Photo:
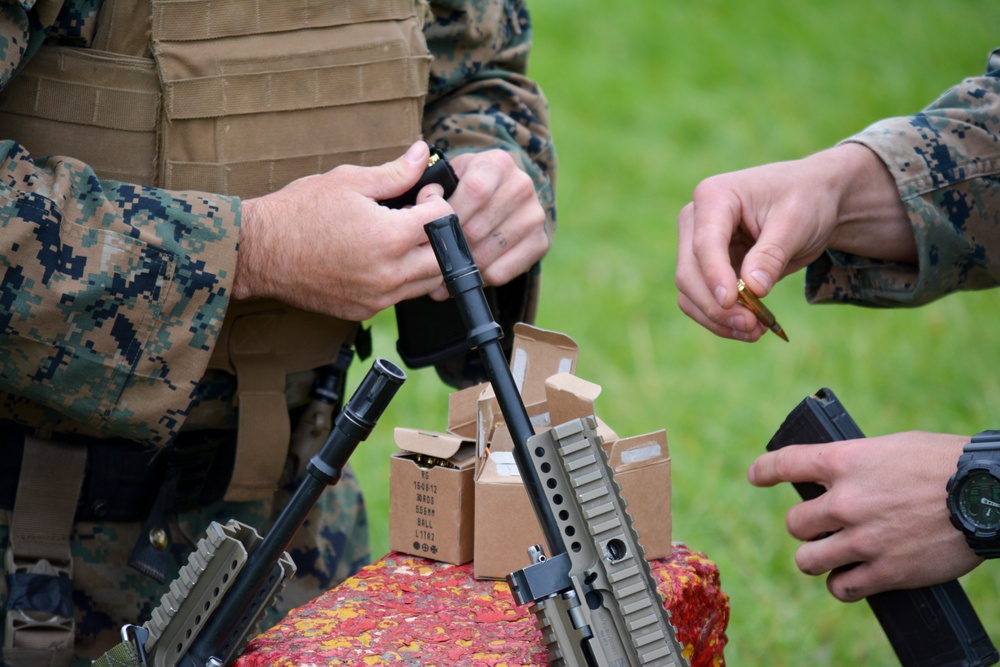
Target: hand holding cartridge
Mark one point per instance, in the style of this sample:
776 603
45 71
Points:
764 223
322 244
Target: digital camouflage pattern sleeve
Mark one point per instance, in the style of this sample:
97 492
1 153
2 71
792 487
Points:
480 97
113 294
946 163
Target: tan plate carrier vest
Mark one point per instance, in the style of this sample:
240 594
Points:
236 97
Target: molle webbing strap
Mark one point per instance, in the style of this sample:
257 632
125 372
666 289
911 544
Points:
236 97
257 94
120 655
183 20
105 103
264 427
262 343
47 493
39 625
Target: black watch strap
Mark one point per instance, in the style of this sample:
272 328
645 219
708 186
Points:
983 445
985 441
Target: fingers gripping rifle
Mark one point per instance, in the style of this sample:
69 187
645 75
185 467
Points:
594 597
216 603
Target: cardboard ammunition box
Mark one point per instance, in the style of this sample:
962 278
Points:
479 509
462 411
642 468
506 524
431 495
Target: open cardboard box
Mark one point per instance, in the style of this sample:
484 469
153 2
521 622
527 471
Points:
506 524
480 509
431 495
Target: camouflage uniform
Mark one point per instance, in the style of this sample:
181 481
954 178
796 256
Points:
944 162
144 277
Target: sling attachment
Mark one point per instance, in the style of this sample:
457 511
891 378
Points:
195 473
136 637
40 626
150 553
130 652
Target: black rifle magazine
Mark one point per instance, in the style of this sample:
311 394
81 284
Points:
935 626
432 333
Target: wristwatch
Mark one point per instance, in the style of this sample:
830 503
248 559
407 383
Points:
974 494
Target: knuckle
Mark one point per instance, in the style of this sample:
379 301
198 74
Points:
807 565
686 214
683 280
384 280
841 508
544 242
772 255
380 300
532 223
347 171
783 463
493 276
477 186
705 189
499 159
792 525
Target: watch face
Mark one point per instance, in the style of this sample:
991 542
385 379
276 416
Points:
979 501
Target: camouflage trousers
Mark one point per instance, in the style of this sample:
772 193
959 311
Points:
330 546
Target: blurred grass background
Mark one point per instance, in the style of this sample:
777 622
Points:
649 97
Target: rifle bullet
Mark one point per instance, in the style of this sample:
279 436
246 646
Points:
757 307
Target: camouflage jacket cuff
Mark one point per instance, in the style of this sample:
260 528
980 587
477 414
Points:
157 394
841 277
945 161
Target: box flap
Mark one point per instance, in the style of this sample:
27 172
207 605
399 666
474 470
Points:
536 355
638 451
488 416
570 397
439 445
492 432
462 410
499 468
608 435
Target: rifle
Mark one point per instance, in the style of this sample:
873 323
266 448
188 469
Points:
934 626
217 601
595 599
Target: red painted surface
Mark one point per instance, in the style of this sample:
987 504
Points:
405 610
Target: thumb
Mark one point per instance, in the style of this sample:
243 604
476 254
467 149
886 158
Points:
392 179
763 266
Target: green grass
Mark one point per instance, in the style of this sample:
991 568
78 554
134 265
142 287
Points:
648 98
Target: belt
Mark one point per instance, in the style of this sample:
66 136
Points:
123 478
